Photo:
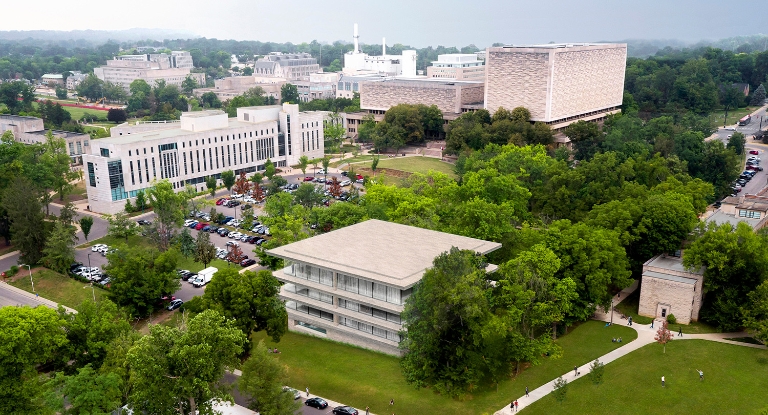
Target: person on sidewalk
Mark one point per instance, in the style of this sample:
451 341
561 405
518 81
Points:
307 391
701 374
662 381
512 405
367 408
526 391
630 321
575 371
391 402
516 405
652 321
680 332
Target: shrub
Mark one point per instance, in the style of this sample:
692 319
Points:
596 371
128 206
561 388
117 115
671 319
11 272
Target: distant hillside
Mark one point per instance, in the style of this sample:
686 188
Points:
643 48
94 37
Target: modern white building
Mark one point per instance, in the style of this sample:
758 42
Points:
201 144
356 295
173 69
458 66
357 62
318 86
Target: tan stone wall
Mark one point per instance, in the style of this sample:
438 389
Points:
517 79
676 294
472 94
382 96
587 80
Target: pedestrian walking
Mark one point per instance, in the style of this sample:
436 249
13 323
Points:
526 391
516 405
575 371
391 402
366 410
652 321
662 381
701 374
307 391
512 405
630 321
680 332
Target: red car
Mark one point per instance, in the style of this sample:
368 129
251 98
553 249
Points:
754 152
220 201
200 225
309 179
359 177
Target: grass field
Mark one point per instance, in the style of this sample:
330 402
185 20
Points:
77 113
734 383
363 378
716 117
351 159
629 307
77 192
411 165
59 288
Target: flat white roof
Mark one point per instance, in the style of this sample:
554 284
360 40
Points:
669 277
386 252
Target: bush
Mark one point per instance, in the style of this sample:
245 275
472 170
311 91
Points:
671 319
561 388
596 371
13 271
117 115
128 206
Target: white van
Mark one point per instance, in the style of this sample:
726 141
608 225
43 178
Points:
204 276
345 182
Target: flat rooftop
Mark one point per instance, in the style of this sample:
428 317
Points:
669 277
426 82
169 131
376 250
668 262
558 45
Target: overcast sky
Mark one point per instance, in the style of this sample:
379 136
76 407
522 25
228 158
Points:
416 23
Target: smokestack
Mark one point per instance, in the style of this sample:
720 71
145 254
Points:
383 46
355 37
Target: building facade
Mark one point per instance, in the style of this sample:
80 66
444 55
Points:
74 79
173 69
201 144
30 130
348 85
53 79
317 86
451 97
290 66
458 66
357 296
750 209
232 86
356 62
668 288
558 83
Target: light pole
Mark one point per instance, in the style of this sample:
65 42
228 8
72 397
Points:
30 275
611 311
89 262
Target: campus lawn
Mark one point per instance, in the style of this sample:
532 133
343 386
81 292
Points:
417 165
630 306
351 159
361 378
734 115
77 192
734 382
59 288
77 112
191 265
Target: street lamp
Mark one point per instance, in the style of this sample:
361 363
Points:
93 290
89 261
30 275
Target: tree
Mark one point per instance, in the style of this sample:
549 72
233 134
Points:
91 331
758 97
210 100
25 213
141 200
326 162
169 207
250 298
334 187
17 96
121 226
67 214
210 184
596 371
374 164
140 86
61 93
59 251
88 392
247 71
730 97
140 277
205 251
91 87
756 312
242 185
174 369
289 93
663 335
520 115
333 131
262 381
187 85
308 195
269 169
86 222
447 307
303 163
117 115
560 389
228 178
30 337
234 254
185 243
736 262
736 143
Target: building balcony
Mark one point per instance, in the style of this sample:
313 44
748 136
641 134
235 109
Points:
368 319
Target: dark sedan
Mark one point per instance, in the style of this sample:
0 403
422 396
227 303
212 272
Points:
318 403
344 410
247 262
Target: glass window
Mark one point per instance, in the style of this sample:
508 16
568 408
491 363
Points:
91 175
104 152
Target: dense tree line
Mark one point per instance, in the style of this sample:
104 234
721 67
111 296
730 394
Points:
475 130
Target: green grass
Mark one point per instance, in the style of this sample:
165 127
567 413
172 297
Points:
363 378
77 112
630 306
734 115
351 159
417 165
734 382
112 241
59 288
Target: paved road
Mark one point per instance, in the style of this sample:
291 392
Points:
748 130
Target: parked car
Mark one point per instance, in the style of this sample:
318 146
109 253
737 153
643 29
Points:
193 224
104 282
143 222
174 305
296 394
75 266
220 202
755 152
232 243
309 179
189 276
200 226
344 410
318 403
247 262
344 173
98 247
345 182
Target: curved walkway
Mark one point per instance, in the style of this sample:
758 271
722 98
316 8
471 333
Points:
645 336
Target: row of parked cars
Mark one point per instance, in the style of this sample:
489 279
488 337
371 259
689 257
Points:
92 274
753 166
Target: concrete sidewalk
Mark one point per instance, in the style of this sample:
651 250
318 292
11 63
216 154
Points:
33 299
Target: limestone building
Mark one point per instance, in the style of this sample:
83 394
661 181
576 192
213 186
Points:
558 83
458 66
232 86
290 66
451 97
201 144
668 288
357 296
173 69
30 130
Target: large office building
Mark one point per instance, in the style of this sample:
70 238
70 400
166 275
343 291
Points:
201 144
290 66
232 86
356 62
173 69
458 66
558 83
357 296
30 130
317 86
451 97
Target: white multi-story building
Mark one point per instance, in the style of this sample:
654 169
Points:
356 295
357 62
200 145
290 66
318 86
458 66
74 79
173 69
